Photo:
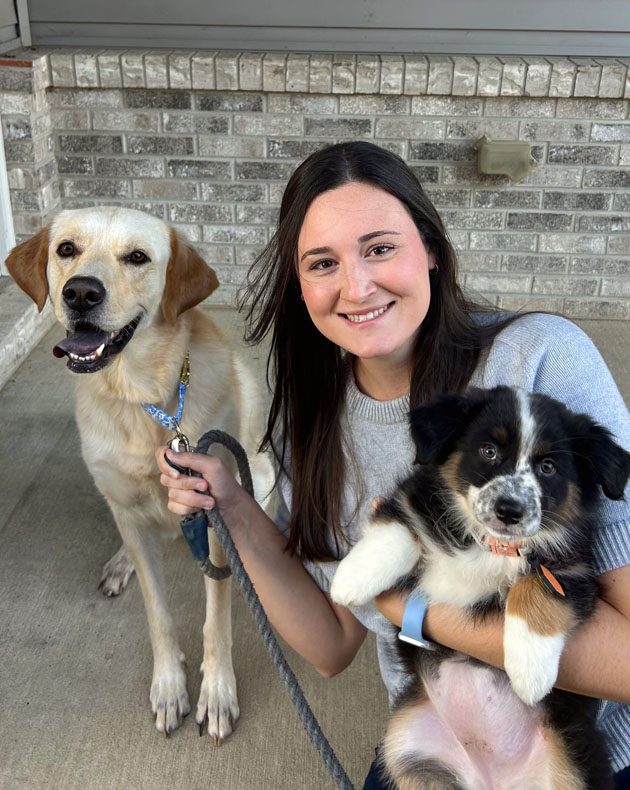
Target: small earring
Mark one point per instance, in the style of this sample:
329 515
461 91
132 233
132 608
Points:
302 297
434 270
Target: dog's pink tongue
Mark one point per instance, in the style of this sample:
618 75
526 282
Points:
80 343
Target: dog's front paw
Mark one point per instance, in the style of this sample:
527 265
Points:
386 552
169 698
217 709
350 585
531 660
116 573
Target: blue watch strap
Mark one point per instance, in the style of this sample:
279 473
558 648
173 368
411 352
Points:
413 618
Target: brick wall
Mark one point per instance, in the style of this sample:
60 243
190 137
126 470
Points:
208 140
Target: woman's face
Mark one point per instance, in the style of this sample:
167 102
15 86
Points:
364 272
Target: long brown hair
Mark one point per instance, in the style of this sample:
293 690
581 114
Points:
308 370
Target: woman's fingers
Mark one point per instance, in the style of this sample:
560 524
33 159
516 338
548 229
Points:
187 510
198 462
182 481
187 500
188 493
195 461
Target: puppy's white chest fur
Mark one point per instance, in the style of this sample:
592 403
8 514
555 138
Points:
468 576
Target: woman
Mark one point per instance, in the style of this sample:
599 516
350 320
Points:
358 289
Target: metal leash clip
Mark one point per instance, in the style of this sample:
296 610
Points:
180 444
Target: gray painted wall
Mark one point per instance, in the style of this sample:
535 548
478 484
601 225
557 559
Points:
8 25
553 27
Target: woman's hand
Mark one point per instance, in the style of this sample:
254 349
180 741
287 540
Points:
217 486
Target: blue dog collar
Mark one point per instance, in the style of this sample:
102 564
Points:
165 420
413 618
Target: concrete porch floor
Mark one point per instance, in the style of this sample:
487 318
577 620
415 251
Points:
75 667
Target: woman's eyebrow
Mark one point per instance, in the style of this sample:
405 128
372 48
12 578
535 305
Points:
316 251
376 233
361 239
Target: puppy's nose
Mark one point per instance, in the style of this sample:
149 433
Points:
83 293
509 511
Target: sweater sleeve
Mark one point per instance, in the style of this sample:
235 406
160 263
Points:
548 354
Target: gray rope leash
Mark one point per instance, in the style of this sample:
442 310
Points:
296 695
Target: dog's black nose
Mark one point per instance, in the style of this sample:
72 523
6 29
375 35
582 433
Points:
509 511
83 293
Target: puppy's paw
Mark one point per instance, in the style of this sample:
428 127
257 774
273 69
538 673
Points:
116 573
386 552
350 585
217 709
169 697
531 660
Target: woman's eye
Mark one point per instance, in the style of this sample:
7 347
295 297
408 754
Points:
66 249
137 256
547 466
381 249
321 266
488 452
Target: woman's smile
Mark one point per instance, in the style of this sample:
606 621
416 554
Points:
371 315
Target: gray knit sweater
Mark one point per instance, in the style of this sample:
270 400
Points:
539 353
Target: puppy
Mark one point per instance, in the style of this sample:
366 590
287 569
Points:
124 285
497 516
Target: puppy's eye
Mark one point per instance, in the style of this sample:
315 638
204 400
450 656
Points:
547 467
66 249
488 452
138 257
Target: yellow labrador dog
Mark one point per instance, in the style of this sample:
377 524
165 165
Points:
124 285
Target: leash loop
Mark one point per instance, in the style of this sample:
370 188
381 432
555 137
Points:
230 443
296 695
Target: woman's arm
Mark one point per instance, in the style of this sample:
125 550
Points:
595 659
326 635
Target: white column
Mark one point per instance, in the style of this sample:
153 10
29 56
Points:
7 234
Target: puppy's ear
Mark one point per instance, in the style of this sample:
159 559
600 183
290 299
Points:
436 427
27 265
189 279
599 456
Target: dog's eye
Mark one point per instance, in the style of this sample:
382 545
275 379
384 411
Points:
66 249
137 256
488 452
547 466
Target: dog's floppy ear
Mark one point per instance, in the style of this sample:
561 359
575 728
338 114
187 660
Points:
189 279
603 461
27 265
436 427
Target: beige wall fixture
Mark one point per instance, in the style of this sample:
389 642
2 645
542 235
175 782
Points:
509 158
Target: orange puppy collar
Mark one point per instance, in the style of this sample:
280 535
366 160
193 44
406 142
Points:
503 547
515 549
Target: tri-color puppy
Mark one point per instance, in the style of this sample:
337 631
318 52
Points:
496 516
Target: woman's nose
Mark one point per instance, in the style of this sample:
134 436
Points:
356 281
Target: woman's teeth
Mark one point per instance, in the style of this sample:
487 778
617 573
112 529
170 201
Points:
358 319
